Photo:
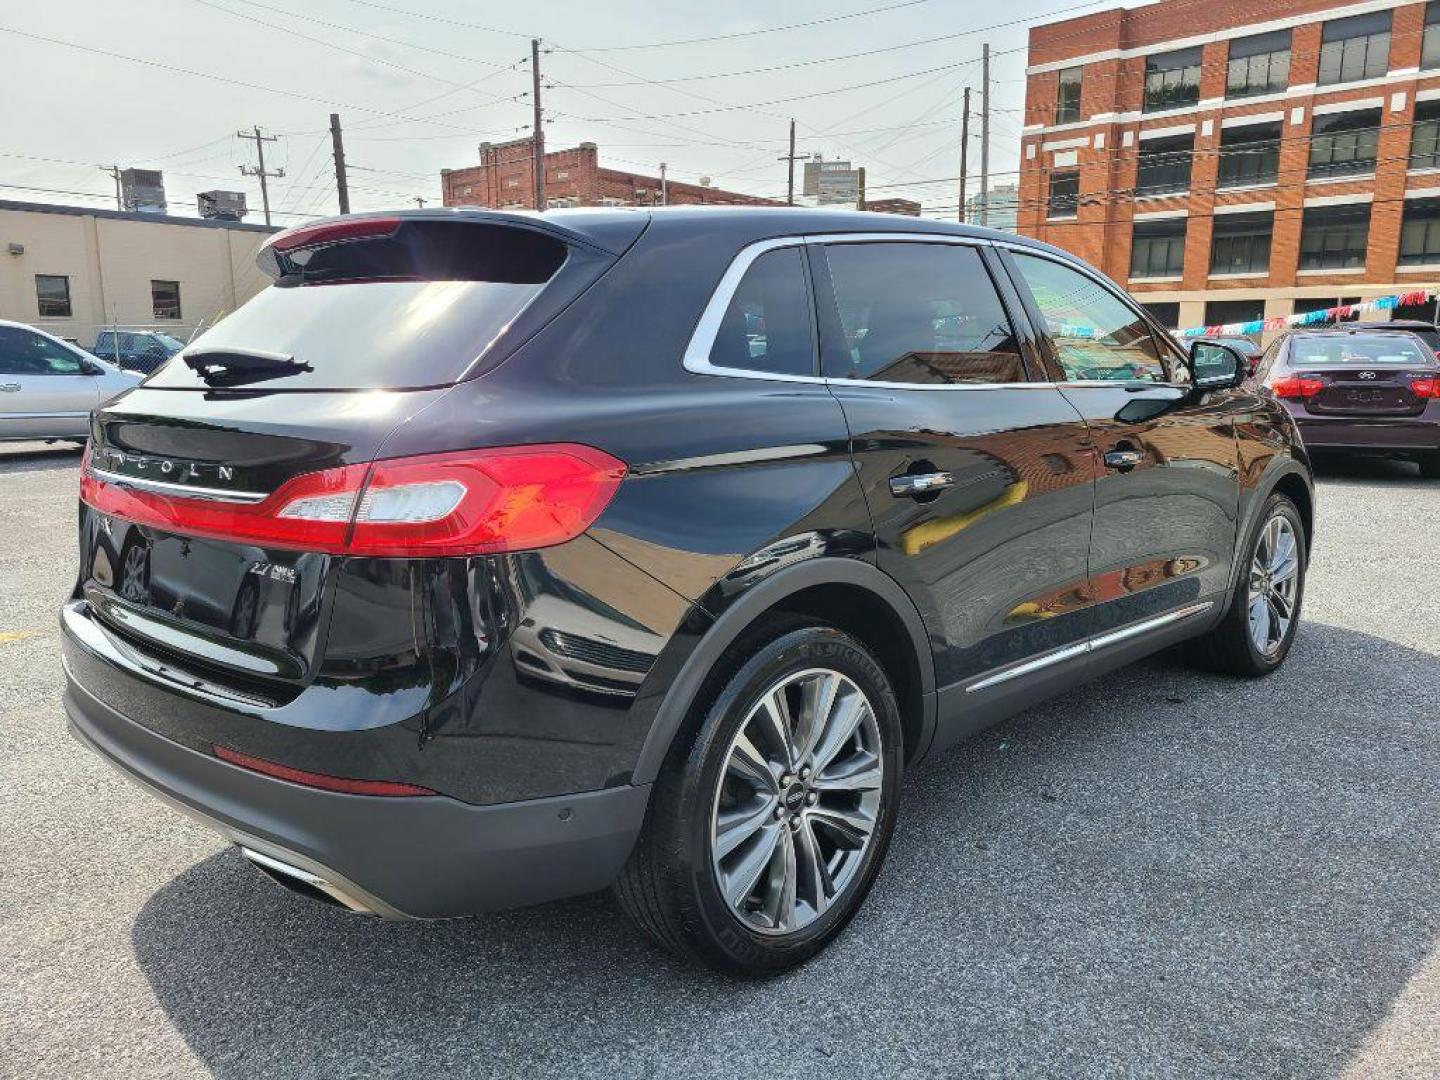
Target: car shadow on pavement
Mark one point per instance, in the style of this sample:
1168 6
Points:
1358 469
1165 872
30 456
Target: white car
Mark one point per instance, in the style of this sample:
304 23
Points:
48 387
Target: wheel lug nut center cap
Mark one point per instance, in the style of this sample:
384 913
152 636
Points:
793 798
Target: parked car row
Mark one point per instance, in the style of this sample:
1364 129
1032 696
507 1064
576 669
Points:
49 387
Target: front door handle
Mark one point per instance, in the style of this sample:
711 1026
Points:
1123 460
913 484
9 388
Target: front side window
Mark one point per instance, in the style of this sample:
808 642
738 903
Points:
1249 155
1334 237
1425 136
1420 233
1259 64
1164 164
24 352
1096 334
1172 80
1344 144
1354 48
1067 97
165 299
916 313
1241 243
52 295
767 328
1157 248
1064 200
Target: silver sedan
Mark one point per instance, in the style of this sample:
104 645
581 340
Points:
48 387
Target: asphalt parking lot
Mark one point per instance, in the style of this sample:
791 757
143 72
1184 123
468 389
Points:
1165 873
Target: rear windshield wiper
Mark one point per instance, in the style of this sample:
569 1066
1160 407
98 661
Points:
241 367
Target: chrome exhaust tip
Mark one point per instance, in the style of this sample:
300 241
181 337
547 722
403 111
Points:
304 882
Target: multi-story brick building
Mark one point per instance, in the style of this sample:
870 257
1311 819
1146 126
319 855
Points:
907 207
1231 160
505 179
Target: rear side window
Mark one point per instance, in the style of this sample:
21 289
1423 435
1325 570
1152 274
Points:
916 313
1097 335
767 327
416 308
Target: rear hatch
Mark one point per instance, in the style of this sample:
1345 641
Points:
187 552
1374 375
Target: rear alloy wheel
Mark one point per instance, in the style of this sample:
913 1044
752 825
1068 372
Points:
772 815
1259 627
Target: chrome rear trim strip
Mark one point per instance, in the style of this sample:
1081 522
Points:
1100 641
184 491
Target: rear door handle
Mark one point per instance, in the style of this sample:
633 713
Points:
1123 460
913 484
9 388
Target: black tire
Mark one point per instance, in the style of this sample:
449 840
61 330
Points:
1429 465
669 886
1229 647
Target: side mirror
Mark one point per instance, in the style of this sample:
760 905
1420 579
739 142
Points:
1214 366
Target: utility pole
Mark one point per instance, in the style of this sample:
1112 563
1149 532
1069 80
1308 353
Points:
664 187
985 134
964 149
860 188
790 160
420 201
114 171
342 188
259 169
537 148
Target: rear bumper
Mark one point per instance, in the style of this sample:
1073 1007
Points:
424 857
1401 435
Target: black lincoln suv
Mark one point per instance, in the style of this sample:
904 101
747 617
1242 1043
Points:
487 558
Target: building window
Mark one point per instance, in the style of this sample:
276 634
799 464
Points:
1307 304
1258 65
1354 48
1241 243
1334 237
165 299
1165 312
1067 98
513 182
1425 139
1165 164
1420 233
1064 194
52 293
1344 144
1249 155
562 174
1430 43
465 191
1157 248
1224 312
1172 79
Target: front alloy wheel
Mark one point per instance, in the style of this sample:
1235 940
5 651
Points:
797 801
1274 582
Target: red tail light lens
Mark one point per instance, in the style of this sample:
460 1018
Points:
466 503
1293 387
333 232
324 781
1426 388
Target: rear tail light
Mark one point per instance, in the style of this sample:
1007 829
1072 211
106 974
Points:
1293 387
1426 388
324 781
466 503
334 232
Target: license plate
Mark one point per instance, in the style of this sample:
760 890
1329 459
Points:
1364 397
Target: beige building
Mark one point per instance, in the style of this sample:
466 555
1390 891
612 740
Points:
73 270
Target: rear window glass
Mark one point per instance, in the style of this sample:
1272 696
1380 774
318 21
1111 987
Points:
1364 351
414 309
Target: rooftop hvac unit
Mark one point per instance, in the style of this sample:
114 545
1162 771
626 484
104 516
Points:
222 205
143 190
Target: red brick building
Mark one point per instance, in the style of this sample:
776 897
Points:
908 207
1231 160
505 179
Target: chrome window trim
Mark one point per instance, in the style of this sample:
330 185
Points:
188 491
697 352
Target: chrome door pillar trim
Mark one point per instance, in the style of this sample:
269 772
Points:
1089 645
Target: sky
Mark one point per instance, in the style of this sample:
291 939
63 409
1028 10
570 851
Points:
419 84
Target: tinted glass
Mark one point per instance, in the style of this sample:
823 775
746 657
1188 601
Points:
23 352
1310 352
52 293
917 313
767 325
1096 334
165 296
